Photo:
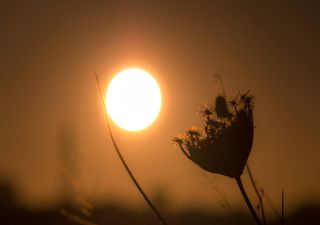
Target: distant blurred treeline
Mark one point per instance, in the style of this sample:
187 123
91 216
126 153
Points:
12 213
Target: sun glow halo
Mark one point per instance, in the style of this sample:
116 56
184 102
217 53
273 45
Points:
133 99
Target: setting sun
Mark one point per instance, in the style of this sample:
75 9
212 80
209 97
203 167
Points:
133 99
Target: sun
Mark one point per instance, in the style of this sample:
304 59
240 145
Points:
133 99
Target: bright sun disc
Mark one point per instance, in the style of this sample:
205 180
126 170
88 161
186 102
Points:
133 99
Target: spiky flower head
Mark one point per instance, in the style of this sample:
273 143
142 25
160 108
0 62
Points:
224 143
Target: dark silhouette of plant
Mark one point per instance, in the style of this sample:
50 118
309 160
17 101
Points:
224 144
259 194
134 180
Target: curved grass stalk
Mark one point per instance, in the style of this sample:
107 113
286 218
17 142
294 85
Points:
134 180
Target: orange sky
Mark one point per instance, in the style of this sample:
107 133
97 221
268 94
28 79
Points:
48 52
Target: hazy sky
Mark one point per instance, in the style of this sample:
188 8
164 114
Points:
50 101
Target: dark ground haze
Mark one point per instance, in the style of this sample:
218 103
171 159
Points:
13 213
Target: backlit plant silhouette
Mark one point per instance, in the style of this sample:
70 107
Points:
224 143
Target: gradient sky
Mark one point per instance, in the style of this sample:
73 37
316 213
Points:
48 94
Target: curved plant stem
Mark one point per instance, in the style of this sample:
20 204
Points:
134 180
258 194
245 196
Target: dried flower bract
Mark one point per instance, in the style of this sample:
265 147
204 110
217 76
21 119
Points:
224 143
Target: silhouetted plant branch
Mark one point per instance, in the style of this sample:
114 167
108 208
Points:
134 180
224 144
258 194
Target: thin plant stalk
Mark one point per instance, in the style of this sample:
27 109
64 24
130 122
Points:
272 206
246 198
282 207
134 180
258 194
240 185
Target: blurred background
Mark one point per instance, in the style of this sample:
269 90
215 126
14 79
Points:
56 151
